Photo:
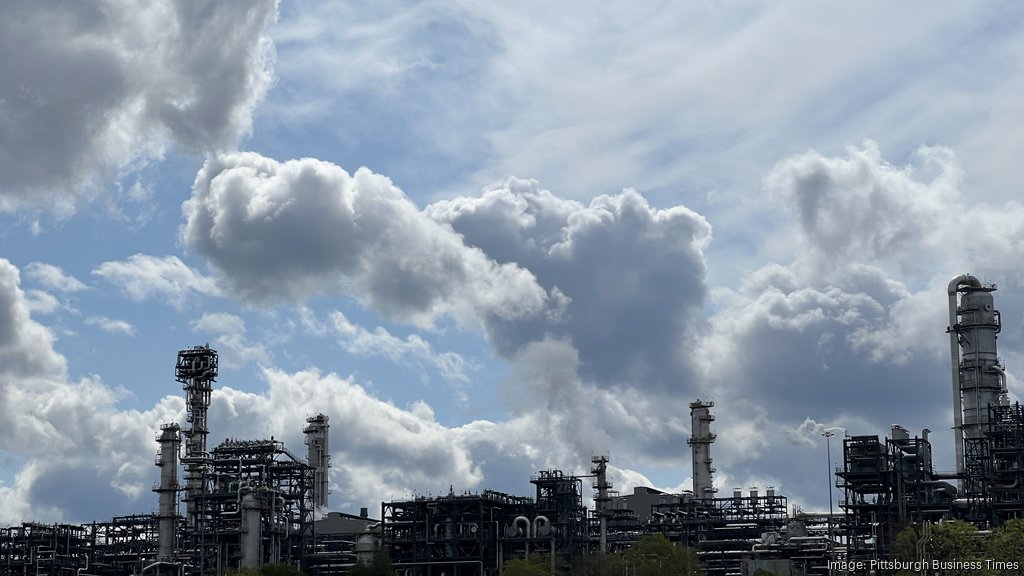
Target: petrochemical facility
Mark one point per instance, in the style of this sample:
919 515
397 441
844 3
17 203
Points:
247 503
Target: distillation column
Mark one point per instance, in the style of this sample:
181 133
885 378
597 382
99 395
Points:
167 460
252 511
602 502
318 456
196 369
700 442
977 375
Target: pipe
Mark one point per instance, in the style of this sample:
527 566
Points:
540 522
954 356
523 521
1002 383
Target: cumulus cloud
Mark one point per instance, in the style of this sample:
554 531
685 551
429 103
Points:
306 227
860 309
55 426
143 276
628 277
605 296
116 83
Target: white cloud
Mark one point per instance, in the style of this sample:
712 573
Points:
305 227
142 276
114 84
40 302
859 312
230 340
26 348
53 277
359 341
56 427
111 325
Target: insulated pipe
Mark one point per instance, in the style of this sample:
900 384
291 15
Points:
954 356
524 523
1003 399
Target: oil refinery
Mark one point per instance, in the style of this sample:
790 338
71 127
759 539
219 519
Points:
252 502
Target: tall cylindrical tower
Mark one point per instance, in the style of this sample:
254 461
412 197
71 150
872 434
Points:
196 369
318 456
167 489
252 511
603 500
976 370
700 443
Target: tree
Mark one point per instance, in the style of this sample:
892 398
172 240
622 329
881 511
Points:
599 565
1006 545
955 545
535 565
655 555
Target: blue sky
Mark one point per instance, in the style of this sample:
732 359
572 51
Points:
488 240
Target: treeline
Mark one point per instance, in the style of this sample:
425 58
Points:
958 549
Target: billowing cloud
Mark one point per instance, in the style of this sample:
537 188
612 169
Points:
54 426
305 227
112 84
629 278
860 312
143 276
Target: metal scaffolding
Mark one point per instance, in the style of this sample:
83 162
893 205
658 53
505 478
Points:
457 534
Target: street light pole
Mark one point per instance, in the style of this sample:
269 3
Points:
828 454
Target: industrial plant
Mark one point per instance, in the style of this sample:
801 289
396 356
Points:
252 502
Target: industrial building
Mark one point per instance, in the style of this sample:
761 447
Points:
251 502
247 503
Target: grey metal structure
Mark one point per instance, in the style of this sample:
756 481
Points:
167 489
603 499
318 456
978 379
196 370
700 442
